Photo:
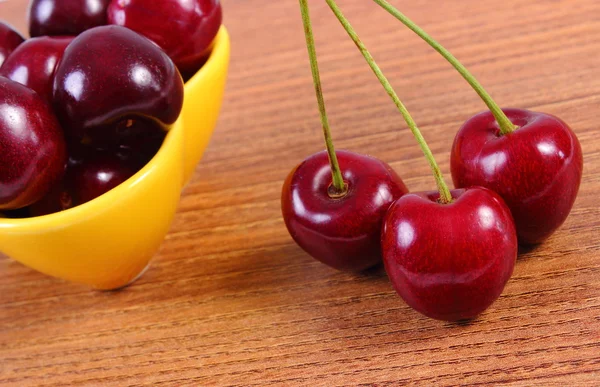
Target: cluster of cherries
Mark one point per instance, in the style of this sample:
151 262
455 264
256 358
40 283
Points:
87 100
448 253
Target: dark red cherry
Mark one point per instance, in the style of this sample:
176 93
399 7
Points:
58 198
32 147
343 233
185 29
109 75
65 17
9 41
34 62
449 261
536 169
98 175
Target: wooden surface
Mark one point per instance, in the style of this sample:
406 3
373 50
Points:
231 300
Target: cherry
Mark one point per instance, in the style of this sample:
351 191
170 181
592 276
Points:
342 232
98 175
109 76
449 253
533 160
9 40
84 181
32 147
187 41
449 261
336 216
34 62
65 17
536 169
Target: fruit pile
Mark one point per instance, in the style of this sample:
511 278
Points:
448 253
87 101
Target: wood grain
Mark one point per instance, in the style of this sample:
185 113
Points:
231 300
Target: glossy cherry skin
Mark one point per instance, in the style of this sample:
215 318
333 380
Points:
34 62
32 146
187 41
9 41
449 261
343 233
98 175
65 17
536 169
111 74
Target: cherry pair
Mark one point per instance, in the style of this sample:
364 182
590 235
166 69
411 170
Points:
448 254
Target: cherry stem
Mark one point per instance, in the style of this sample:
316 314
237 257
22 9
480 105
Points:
506 126
339 187
445 196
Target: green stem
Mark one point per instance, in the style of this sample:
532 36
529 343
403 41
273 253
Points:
339 187
505 125
445 196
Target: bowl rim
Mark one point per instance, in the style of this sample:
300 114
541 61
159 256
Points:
76 214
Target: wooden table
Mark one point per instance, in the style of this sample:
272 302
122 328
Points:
231 300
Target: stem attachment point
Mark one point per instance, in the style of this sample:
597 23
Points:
334 193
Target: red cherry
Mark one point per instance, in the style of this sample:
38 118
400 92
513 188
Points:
536 169
9 41
187 41
65 17
34 62
449 261
110 75
344 232
32 147
98 175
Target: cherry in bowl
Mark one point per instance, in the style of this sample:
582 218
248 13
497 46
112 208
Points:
109 76
65 17
34 63
9 41
187 41
32 146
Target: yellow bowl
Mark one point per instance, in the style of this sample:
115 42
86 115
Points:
202 102
108 242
